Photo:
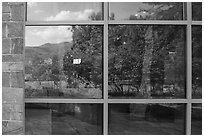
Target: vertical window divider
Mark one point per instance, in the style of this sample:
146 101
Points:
24 35
189 69
105 69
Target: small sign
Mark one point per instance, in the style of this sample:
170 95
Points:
76 61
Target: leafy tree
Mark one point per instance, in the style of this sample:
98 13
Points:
197 58
138 54
87 46
197 10
126 51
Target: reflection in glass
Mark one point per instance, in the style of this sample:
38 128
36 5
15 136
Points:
197 61
197 11
147 11
64 11
63 61
146 119
196 123
146 61
63 119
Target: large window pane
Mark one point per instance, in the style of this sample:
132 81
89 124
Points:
147 11
197 11
197 61
146 119
64 11
63 119
146 61
63 61
196 128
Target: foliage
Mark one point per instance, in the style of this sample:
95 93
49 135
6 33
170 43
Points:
127 51
197 10
87 46
197 56
130 47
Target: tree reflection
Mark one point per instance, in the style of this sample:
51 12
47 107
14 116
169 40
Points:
140 56
144 61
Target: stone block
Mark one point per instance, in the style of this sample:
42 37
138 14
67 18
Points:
17 108
14 66
16 116
4 30
5 79
12 58
17 45
12 112
12 127
15 29
8 113
5 7
6 17
12 95
17 13
5 114
15 3
13 107
17 79
5 4
6 46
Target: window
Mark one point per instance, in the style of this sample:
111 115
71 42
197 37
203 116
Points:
151 67
64 11
113 68
147 11
146 119
60 63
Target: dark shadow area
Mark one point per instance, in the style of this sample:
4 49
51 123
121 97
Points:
196 116
64 119
146 119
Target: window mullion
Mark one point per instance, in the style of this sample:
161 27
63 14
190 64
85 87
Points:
189 69
105 69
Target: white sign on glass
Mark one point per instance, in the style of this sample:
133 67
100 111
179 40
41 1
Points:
76 61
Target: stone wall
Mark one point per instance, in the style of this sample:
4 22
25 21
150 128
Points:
13 28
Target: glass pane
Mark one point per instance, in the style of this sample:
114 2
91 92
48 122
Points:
197 11
147 11
197 61
196 123
146 119
64 11
63 119
146 61
63 61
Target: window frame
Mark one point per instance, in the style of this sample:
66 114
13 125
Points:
188 100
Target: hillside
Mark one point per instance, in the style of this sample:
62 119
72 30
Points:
47 50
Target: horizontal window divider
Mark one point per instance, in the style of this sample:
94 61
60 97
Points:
62 23
196 101
147 101
149 22
46 100
60 100
196 22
